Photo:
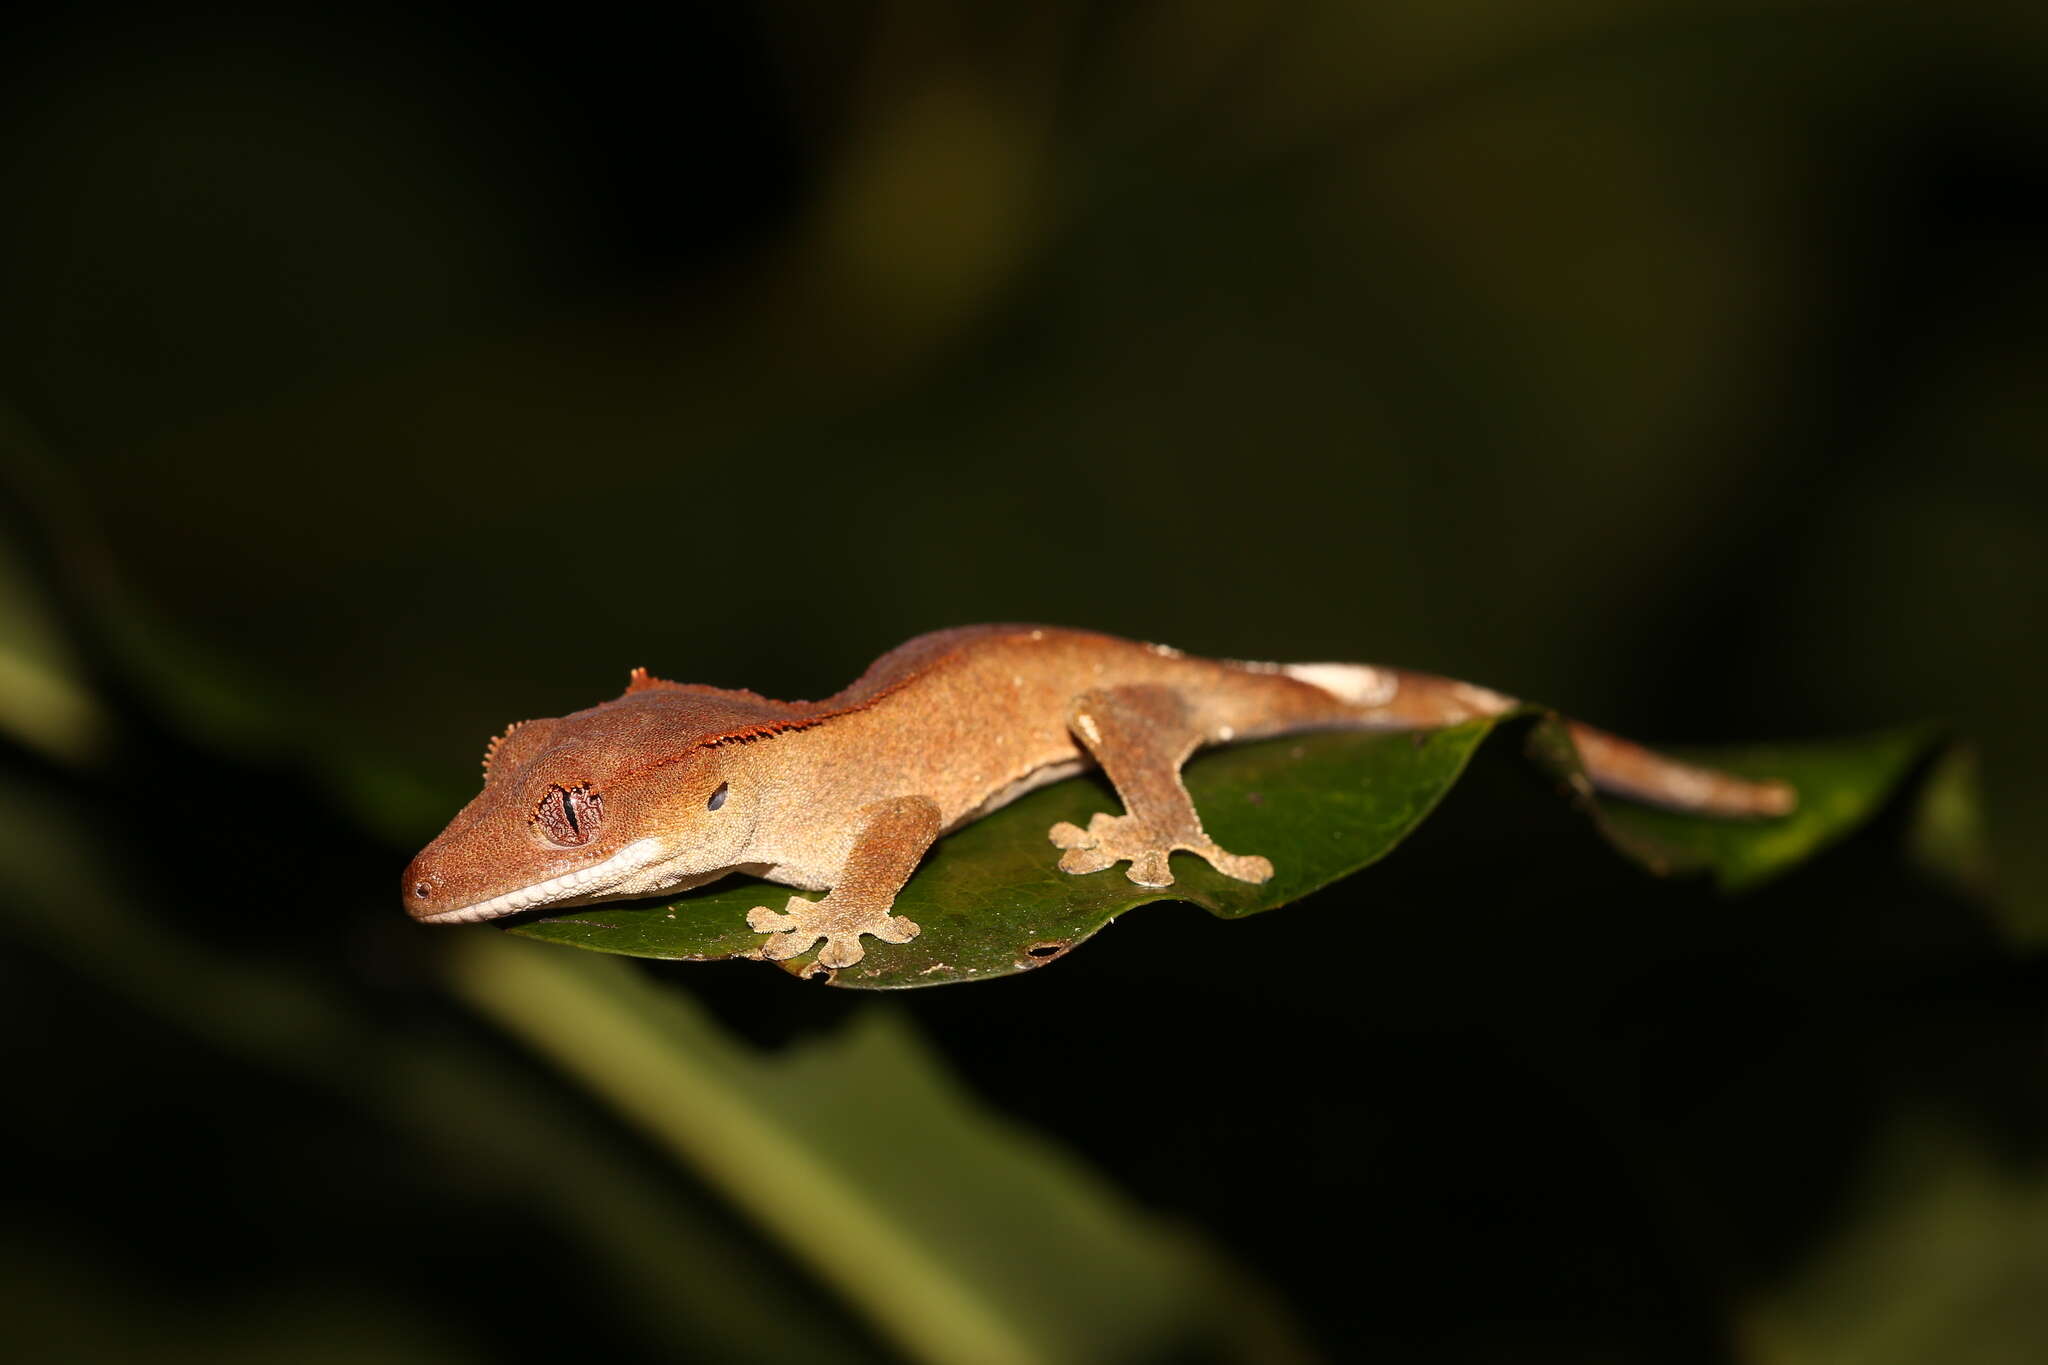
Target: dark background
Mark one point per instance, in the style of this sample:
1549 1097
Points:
377 380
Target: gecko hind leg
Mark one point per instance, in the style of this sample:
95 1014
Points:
1141 734
893 837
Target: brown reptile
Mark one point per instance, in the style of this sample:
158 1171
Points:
672 785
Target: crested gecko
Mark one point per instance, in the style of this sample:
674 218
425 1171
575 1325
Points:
671 786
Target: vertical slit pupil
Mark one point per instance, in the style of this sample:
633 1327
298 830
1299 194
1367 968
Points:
569 813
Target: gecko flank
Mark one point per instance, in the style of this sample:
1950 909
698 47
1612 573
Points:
671 785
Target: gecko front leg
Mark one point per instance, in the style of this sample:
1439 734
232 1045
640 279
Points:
1141 734
894 835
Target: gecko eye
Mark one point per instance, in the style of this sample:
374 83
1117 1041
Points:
569 815
717 798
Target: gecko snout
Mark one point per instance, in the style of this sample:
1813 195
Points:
424 887
417 887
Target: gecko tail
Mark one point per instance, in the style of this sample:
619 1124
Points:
1628 769
1400 699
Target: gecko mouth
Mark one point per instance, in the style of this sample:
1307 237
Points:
591 880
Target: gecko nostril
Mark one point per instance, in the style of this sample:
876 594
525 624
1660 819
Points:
422 890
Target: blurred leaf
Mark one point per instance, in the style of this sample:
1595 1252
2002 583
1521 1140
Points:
991 901
679 1274
961 1237
1940 1259
41 701
1949 840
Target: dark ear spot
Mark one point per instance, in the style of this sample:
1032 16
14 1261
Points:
717 798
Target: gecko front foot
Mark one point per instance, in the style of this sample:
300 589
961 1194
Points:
1112 839
840 922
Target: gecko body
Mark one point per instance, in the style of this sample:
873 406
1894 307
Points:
672 786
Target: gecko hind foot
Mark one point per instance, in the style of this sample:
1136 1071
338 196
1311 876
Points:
840 923
1112 839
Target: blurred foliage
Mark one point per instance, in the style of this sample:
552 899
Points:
419 368
965 1239
1939 1259
990 900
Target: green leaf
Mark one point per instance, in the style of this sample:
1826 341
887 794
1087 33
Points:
991 900
1841 784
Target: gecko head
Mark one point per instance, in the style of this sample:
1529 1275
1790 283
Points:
573 812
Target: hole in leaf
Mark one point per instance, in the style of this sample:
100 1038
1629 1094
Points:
1046 949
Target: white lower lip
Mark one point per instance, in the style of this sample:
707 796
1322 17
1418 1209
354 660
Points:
596 877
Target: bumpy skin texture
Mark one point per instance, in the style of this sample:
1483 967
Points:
671 786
